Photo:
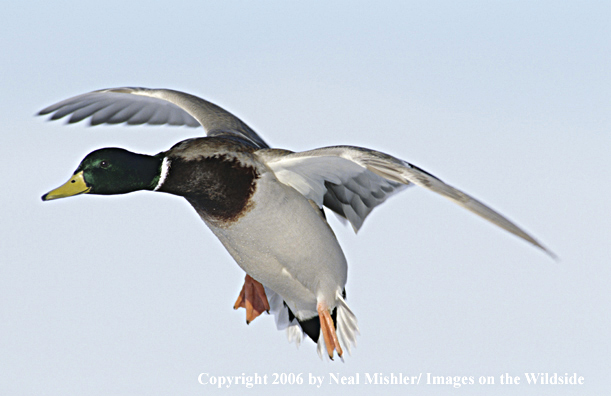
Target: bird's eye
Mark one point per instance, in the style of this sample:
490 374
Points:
104 164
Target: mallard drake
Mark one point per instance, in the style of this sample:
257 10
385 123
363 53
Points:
265 205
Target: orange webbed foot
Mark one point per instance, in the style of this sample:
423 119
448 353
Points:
328 331
252 298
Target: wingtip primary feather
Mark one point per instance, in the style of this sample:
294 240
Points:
550 253
424 179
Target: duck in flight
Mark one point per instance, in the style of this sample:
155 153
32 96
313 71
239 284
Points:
264 204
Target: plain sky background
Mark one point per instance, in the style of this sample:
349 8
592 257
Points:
132 295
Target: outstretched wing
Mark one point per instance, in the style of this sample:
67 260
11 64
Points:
136 106
351 181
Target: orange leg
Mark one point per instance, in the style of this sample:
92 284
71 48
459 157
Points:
328 331
252 298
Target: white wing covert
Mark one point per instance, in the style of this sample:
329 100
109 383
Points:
330 177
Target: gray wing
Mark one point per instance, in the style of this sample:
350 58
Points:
136 106
351 181
328 178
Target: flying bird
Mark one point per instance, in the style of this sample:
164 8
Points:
265 205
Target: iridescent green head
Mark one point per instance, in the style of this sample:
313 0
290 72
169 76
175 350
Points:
111 171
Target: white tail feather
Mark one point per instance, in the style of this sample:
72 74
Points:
294 333
347 327
320 348
281 313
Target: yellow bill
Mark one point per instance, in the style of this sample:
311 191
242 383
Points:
76 185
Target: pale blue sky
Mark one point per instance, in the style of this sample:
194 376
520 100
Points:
132 295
